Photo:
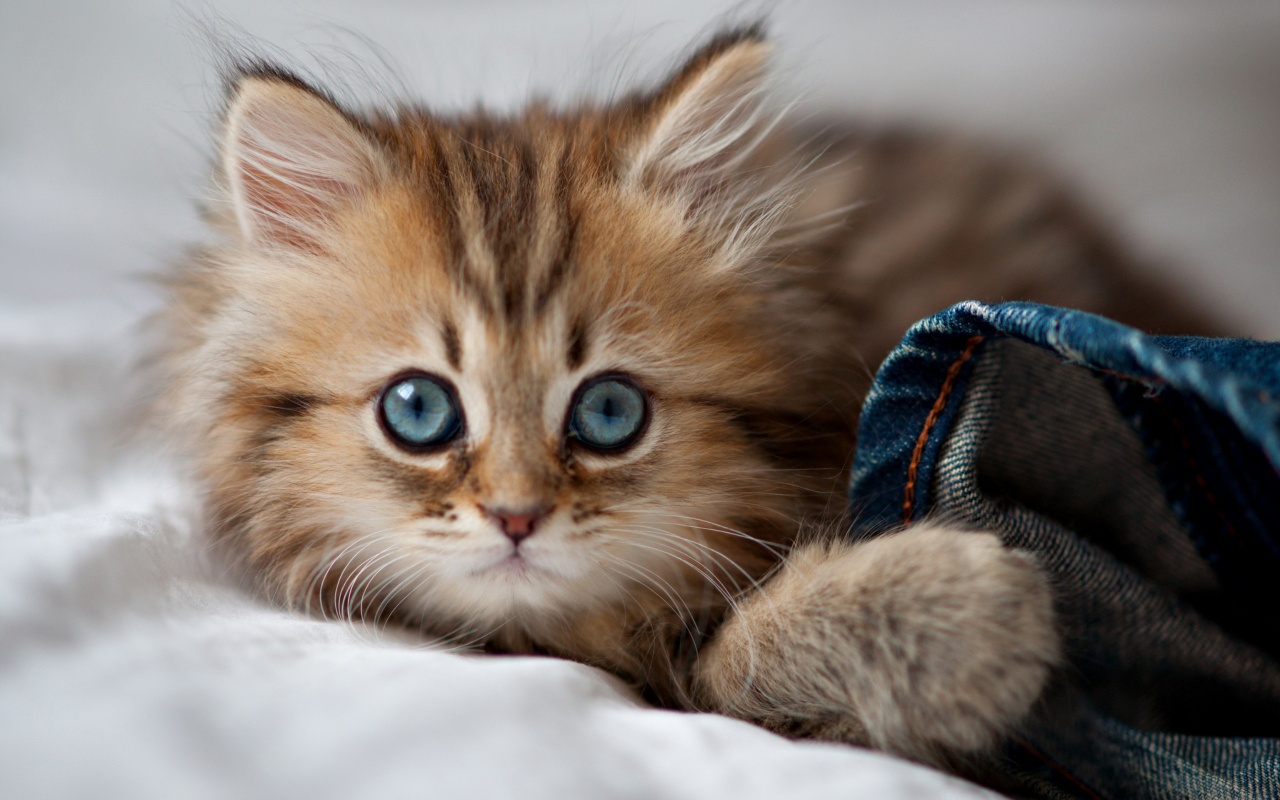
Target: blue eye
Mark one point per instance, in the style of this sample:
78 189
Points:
608 414
419 411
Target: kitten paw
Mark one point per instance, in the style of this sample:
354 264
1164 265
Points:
932 643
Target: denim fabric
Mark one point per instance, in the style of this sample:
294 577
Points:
1141 471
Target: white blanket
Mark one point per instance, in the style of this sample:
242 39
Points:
130 667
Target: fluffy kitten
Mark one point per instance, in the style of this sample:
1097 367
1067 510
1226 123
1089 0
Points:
574 381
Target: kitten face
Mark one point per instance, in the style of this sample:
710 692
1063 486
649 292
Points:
497 270
606 518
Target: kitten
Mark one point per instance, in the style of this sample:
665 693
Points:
575 381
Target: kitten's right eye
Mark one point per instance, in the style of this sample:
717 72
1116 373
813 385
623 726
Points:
420 412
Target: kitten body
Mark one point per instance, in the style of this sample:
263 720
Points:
743 276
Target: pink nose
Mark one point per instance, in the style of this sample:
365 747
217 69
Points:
518 524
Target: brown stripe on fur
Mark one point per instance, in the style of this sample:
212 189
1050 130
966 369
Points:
557 272
576 352
452 344
448 207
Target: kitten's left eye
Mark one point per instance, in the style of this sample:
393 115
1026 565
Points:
608 414
420 411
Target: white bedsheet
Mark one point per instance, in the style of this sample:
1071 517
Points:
130 668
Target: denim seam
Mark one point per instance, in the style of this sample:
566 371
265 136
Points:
953 372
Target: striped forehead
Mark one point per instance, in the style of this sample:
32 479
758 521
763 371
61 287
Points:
509 375
474 342
506 206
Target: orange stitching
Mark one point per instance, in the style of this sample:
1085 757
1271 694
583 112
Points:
953 372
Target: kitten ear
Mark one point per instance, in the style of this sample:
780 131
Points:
292 159
707 119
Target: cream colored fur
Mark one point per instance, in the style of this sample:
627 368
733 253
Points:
932 643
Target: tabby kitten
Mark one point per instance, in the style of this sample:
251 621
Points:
576 381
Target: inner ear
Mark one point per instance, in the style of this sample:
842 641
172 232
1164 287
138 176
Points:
292 160
707 119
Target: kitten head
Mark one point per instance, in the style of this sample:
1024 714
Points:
478 372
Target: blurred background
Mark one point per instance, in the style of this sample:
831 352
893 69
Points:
1166 114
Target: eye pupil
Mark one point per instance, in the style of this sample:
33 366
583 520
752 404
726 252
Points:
608 414
420 411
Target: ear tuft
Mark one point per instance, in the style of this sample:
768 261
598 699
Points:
707 119
292 159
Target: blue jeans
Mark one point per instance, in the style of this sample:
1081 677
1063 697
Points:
1142 472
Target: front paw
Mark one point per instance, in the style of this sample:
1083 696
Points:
931 643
